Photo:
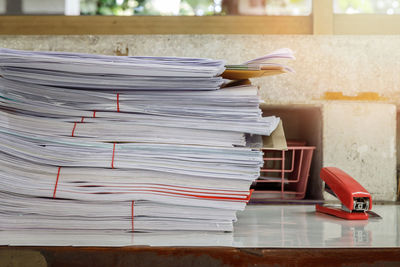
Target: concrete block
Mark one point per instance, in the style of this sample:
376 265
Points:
360 138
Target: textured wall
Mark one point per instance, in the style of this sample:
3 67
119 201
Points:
349 64
360 138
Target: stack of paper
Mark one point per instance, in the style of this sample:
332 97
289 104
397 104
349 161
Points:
124 143
111 72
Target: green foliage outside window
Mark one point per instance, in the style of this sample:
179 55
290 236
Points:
367 6
192 7
145 7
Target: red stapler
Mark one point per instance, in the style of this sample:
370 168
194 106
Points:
356 201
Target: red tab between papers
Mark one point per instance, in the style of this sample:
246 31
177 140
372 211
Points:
55 186
112 160
118 102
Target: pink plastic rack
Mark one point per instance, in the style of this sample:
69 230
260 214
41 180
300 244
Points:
285 173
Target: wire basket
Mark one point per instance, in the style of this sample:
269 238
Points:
285 173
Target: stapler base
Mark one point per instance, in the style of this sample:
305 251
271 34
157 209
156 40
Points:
341 213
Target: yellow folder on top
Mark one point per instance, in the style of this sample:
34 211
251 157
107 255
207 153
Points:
238 74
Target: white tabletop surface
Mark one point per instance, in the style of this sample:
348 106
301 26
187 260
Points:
259 226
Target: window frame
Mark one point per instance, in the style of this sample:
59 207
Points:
79 25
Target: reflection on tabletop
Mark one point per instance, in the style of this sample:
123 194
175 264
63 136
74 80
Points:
289 226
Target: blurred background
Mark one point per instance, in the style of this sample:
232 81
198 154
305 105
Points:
191 7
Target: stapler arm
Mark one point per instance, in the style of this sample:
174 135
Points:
355 200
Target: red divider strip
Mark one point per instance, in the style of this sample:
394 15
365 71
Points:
73 129
112 160
118 102
250 193
55 187
94 113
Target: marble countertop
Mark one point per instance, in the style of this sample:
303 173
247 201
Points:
259 226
